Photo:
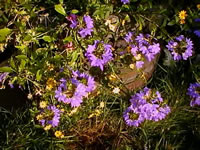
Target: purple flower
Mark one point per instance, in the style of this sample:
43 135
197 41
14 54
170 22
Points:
125 1
54 114
197 33
143 47
197 20
147 104
3 76
128 37
89 80
101 59
73 19
132 116
181 48
193 92
70 92
139 64
89 25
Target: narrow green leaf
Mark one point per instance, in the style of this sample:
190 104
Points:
6 69
21 57
38 75
74 11
59 8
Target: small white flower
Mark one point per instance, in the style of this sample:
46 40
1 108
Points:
116 90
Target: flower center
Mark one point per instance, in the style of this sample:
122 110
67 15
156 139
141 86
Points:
70 90
82 80
180 48
99 50
133 116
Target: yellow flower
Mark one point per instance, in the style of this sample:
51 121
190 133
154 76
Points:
39 117
112 77
138 57
132 66
102 104
59 134
48 127
182 21
73 111
51 83
182 14
97 112
198 6
43 104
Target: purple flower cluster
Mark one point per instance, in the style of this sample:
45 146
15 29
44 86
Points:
89 26
73 91
194 93
143 46
125 1
52 117
101 59
181 48
73 19
145 105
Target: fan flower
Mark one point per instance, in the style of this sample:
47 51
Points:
89 26
125 1
146 105
132 116
99 60
193 92
142 47
181 48
50 117
73 19
86 80
70 92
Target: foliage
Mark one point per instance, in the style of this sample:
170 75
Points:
51 42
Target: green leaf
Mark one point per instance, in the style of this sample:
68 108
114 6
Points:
21 57
22 65
6 69
47 38
74 11
171 23
4 32
67 39
12 63
38 75
59 8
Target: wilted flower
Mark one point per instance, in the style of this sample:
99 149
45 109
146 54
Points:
51 83
181 48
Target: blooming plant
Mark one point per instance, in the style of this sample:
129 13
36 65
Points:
78 62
